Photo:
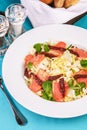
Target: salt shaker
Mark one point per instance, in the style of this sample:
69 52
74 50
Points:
4 43
16 14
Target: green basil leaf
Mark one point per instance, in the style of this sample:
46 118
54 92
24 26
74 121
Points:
83 63
77 92
38 47
30 65
82 85
46 48
76 87
47 87
71 83
45 96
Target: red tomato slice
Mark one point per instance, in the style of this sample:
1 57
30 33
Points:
82 79
81 72
61 44
28 58
58 52
43 75
82 53
57 95
37 59
34 86
55 52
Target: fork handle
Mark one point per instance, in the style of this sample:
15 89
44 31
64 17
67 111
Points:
2 13
21 120
72 21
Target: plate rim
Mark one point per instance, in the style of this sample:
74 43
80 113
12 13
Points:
3 66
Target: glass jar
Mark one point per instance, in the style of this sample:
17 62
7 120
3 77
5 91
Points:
4 43
16 14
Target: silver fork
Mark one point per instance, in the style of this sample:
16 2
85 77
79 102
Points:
21 120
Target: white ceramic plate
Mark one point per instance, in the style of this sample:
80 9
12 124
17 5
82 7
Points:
12 70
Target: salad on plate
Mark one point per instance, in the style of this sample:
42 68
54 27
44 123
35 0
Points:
56 71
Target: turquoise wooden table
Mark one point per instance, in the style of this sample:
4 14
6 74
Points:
35 121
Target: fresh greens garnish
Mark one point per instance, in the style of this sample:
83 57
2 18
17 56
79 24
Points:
77 87
38 47
47 87
77 92
45 96
69 47
46 48
82 85
71 83
83 63
30 65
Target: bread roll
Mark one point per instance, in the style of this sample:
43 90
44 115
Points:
58 3
69 3
46 1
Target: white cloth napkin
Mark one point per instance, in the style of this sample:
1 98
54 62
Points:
40 13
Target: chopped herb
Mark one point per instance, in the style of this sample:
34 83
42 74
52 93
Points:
69 47
83 63
82 85
30 65
71 83
46 48
45 96
78 88
50 95
77 92
38 47
47 86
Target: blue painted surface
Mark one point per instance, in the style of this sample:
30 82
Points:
35 121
